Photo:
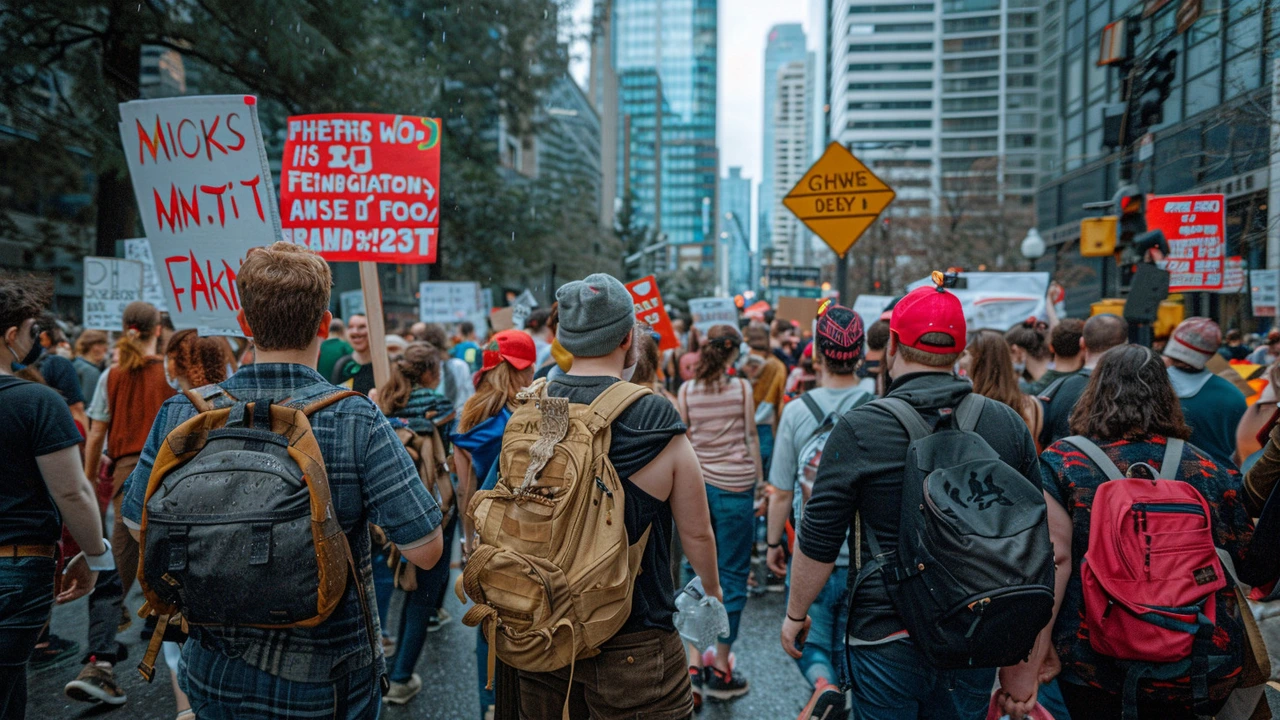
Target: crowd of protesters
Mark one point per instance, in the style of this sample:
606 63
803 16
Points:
762 444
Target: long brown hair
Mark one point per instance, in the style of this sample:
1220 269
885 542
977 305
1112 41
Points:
496 389
1031 335
201 360
418 359
141 323
647 360
991 369
1129 396
714 355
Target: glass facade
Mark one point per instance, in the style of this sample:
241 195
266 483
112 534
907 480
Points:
735 211
665 59
786 44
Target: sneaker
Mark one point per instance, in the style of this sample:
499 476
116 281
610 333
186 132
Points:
695 679
402 693
96 683
126 619
724 686
54 652
827 703
388 647
441 618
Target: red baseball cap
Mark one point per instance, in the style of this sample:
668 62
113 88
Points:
514 346
929 309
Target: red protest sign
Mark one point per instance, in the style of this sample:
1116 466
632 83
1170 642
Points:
650 310
1195 227
362 187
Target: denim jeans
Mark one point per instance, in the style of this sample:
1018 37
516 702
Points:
225 688
26 599
384 586
419 608
894 681
765 432
824 647
733 520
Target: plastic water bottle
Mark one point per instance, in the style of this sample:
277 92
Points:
700 618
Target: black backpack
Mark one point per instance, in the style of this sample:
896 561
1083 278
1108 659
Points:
973 574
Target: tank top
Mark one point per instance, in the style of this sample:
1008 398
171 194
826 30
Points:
134 399
718 432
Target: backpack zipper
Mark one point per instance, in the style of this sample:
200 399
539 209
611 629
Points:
1172 507
608 513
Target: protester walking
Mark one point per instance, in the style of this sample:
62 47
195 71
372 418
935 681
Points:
1100 334
1129 422
355 371
456 381
90 361
806 424
1211 406
329 668
1029 349
768 377
720 414
45 487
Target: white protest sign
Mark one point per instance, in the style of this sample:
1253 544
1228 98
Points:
140 249
709 312
206 197
1233 278
351 302
527 299
999 301
520 315
1265 291
448 302
109 285
870 307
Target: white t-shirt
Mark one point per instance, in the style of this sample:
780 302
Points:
100 408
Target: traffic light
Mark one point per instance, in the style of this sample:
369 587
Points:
1131 209
1151 90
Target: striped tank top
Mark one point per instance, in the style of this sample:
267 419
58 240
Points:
718 432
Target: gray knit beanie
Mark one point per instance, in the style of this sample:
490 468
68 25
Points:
595 315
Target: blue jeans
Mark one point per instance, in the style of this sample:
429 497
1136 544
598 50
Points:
419 607
26 599
766 445
894 681
733 520
824 647
224 688
384 586
482 672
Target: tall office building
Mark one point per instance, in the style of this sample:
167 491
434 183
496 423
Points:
664 55
735 233
602 91
790 158
938 96
785 44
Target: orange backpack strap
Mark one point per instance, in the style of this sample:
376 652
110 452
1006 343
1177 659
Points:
613 402
210 397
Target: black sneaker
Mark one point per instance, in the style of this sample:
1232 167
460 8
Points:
695 679
827 703
724 686
54 652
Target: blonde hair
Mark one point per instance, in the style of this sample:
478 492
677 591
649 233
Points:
284 290
141 321
497 389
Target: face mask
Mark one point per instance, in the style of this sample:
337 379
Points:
20 363
628 373
172 383
1019 368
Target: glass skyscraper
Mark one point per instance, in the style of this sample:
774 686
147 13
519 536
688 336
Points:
664 54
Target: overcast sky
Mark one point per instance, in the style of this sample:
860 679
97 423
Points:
744 27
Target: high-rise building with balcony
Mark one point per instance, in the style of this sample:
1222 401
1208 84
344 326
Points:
664 57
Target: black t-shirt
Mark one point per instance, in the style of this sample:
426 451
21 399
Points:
60 374
36 422
639 435
349 373
1057 412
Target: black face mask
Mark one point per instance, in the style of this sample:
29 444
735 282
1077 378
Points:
33 353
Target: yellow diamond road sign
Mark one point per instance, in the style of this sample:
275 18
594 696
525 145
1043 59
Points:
838 198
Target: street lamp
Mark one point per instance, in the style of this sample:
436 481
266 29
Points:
1033 247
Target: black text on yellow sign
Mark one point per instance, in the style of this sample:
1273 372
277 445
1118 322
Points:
838 198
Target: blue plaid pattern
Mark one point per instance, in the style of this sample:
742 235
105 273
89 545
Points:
372 480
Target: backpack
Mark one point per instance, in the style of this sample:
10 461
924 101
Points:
553 574
426 449
973 574
1151 576
238 527
810 455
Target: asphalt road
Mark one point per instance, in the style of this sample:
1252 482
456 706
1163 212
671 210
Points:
448 670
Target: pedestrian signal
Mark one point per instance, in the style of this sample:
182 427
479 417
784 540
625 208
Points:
1098 236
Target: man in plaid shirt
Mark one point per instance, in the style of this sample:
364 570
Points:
330 671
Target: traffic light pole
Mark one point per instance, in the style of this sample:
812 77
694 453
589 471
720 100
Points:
842 280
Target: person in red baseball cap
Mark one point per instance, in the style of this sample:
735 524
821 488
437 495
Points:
860 477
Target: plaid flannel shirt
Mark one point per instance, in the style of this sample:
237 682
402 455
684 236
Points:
372 480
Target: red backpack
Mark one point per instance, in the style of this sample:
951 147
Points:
1150 578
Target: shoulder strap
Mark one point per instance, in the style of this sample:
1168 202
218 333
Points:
1094 453
916 427
814 408
612 402
1172 459
969 411
1048 393
210 397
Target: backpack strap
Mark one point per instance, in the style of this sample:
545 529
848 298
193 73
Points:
1095 453
910 419
1172 459
612 402
969 411
317 397
814 408
210 397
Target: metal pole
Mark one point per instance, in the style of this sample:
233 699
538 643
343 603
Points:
842 279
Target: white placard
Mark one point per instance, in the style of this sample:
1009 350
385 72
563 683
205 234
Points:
870 307
140 249
709 312
206 197
998 301
1265 291
448 302
109 285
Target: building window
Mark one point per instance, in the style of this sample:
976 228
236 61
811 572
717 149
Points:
963 6
977 144
891 47
972 124
970 104
975 44
1014 142
892 105
978 64
872 67
911 85
903 8
974 84
991 22
903 27
890 124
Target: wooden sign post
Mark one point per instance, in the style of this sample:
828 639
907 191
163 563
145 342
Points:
377 324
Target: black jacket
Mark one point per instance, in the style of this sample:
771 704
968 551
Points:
861 472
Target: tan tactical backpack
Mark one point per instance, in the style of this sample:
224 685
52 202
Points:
552 575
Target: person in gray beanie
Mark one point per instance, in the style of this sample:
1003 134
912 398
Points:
1211 405
596 315
662 486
